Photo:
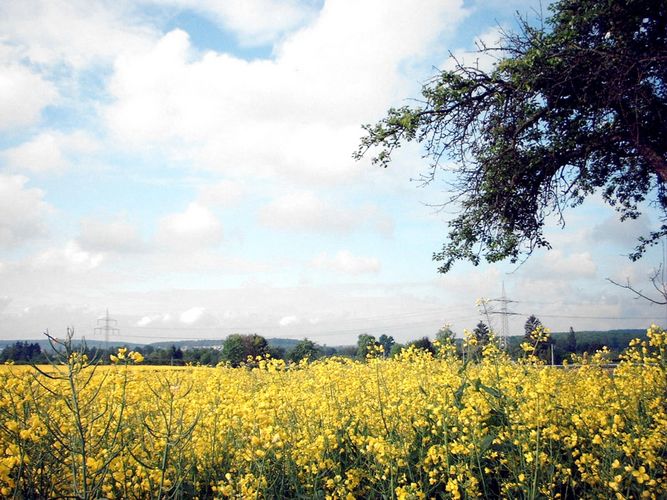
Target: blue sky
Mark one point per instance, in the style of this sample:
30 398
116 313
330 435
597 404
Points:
187 165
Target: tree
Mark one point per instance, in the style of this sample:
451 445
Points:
396 350
574 106
658 282
482 334
538 336
445 335
237 348
532 323
364 344
276 352
424 344
304 349
232 350
254 345
176 355
571 341
387 342
22 352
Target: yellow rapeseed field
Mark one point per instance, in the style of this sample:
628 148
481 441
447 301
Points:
415 426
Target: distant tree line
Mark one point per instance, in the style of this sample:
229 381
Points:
22 352
236 349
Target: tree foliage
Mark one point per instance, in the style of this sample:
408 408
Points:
22 352
304 349
538 336
532 323
424 344
571 341
445 335
482 334
574 106
365 343
387 342
237 348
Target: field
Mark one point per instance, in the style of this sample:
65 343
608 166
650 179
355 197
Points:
415 426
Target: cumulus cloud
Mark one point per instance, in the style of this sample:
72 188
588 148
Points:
622 233
23 95
49 151
288 320
345 262
297 126
70 258
192 315
255 22
198 317
146 320
305 211
558 265
196 227
116 237
23 211
161 319
76 32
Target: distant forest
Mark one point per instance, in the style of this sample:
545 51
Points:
236 348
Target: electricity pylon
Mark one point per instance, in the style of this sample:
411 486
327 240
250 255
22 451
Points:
107 325
504 326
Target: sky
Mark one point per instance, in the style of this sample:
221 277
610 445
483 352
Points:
188 166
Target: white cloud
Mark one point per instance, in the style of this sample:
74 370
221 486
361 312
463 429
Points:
76 32
70 258
162 319
305 211
223 193
255 22
197 317
146 320
23 211
49 151
559 266
23 96
195 227
327 78
622 233
192 315
288 320
117 236
345 262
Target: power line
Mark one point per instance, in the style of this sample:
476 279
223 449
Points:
420 319
437 315
325 333
592 317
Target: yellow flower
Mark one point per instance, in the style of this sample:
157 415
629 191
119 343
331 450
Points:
137 357
640 475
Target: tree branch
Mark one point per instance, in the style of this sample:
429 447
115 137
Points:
628 286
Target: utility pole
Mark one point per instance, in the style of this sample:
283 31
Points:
107 325
504 326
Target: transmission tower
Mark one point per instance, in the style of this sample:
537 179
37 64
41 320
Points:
505 314
107 325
